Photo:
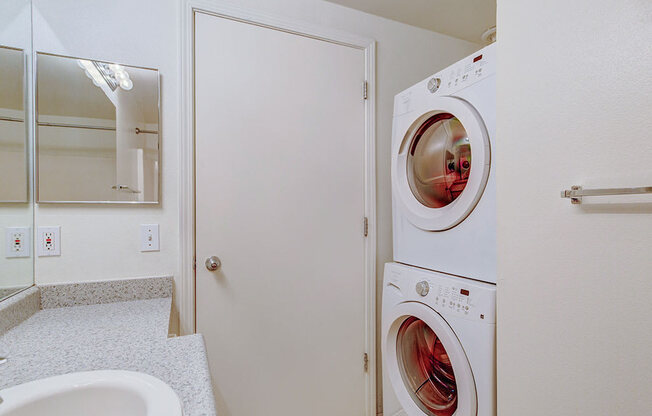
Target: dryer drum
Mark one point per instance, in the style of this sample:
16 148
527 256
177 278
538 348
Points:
426 368
439 160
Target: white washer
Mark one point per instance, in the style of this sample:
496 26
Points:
443 182
438 344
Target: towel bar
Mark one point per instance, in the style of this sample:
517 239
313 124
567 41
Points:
577 192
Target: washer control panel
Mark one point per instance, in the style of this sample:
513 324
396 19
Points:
446 294
460 297
454 298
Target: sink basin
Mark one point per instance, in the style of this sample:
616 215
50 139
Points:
96 393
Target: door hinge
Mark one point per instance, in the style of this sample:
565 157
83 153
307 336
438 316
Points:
366 362
365 226
365 90
194 263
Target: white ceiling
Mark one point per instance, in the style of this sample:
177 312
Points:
464 19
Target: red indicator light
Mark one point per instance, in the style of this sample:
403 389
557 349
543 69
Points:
464 292
477 58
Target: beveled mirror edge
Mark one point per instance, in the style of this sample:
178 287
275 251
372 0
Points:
16 292
36 152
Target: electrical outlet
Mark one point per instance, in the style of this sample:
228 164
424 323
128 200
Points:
149 240
17 242
49 241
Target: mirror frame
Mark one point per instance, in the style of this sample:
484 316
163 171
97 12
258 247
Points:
36 136
26 122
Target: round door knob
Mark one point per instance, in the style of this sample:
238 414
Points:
423 288
213 263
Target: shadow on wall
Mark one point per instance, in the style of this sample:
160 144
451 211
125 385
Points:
619 208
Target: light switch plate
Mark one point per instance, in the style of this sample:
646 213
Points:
48 241
149 239
18 242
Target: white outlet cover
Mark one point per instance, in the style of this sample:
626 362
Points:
18 242
149 237
48 241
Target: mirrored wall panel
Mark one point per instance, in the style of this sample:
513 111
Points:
16 203
13 128
97 131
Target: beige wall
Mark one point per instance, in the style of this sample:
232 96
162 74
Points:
575 282
100 241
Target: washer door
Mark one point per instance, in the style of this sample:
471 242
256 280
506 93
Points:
441 165
427 365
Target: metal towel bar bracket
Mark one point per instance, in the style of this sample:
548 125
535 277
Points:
577 192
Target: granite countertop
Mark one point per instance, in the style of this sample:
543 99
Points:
129 335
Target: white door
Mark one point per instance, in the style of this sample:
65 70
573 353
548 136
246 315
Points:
280 151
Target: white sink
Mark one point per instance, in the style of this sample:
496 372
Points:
96 393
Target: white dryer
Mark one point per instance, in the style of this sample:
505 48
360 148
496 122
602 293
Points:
443 181
438 344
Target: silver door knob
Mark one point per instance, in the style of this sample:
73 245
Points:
213 263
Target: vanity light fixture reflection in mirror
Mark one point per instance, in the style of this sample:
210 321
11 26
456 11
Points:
13 129
97 131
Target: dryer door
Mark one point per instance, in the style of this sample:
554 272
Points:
441 165
427 365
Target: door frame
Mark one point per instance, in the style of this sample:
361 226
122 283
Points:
187 261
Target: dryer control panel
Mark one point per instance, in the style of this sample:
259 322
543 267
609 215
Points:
460 75
466 72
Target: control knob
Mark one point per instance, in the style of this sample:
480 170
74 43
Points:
433 84
423 288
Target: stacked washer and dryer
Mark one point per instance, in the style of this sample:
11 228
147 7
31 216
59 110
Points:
439 296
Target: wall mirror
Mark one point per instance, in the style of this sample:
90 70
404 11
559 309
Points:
16 204
13 126
97 131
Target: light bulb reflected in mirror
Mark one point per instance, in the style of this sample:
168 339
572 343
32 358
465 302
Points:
121 75
126 84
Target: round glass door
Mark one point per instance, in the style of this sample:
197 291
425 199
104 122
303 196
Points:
440 164
439 161
426 368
